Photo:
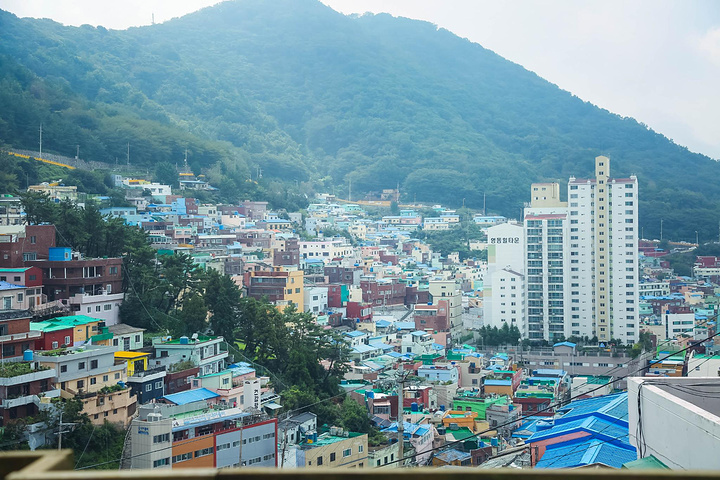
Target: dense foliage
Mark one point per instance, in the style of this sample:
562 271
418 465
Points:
295 96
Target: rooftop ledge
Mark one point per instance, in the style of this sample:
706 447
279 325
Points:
58 465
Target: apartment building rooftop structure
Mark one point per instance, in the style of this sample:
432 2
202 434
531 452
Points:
203 351
24 386
195 434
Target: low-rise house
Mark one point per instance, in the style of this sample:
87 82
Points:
335 448
452 457
203 351
127 337
16 336
90 373
23 386
420 437
148 384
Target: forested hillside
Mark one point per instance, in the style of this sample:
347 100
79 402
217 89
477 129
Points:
319 100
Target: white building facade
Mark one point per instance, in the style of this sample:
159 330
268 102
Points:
603 232
503 284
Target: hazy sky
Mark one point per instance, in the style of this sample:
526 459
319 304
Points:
655 60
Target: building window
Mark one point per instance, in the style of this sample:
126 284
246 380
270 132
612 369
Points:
81 366
161 462
148 387
93 381
80 384
54 345
347 452
63 368
107 307
319 461
93 364
67 340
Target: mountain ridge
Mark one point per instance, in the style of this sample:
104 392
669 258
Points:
309 94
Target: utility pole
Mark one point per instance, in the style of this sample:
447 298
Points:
402 379
77 152
41 140
661 228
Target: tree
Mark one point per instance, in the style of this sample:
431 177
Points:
166 174
193 315
222 297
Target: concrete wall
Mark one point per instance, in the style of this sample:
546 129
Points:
680 428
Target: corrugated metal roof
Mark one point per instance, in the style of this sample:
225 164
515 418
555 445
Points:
190 396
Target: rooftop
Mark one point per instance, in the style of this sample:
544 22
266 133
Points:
190 396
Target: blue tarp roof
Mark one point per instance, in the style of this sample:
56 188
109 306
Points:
189 396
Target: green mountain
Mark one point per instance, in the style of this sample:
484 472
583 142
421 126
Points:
310 97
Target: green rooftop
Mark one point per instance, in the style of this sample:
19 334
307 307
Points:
647 463
14 270
62 323
15 369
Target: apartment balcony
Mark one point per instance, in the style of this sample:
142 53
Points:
17 401
20 336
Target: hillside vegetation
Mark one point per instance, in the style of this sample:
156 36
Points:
303 98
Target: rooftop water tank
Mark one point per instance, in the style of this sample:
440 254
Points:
28 356
184 340
414 407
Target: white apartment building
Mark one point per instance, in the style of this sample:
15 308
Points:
546 265
327 250
504 282
603 234
582 260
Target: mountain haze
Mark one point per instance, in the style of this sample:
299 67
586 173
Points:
310 95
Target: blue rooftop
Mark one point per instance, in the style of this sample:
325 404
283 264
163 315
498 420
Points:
355 334
362 348
580 452
9 286
382 323
190 396
497 382
565 344
405 325
411 429
452 455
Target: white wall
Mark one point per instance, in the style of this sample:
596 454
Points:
677 432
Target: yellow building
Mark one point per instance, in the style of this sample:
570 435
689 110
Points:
134 361
283 286
334 449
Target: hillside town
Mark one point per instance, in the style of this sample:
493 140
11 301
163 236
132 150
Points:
555 340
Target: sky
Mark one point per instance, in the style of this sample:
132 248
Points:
655 60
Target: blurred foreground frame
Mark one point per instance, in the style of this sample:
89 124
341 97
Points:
58 465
